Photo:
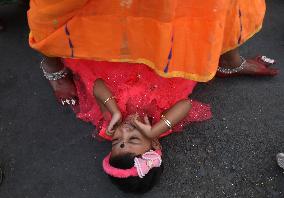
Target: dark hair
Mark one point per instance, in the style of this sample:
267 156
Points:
134 184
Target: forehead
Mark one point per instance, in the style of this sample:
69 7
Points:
125 129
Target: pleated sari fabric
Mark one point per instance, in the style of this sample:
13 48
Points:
176 38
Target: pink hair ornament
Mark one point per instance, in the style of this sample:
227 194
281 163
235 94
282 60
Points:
142 165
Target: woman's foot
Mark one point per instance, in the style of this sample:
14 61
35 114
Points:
280 159
257 66
62 82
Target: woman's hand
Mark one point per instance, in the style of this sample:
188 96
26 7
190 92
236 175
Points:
107 102
145 127
114 122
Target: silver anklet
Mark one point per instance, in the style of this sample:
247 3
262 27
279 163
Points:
56 75
233 70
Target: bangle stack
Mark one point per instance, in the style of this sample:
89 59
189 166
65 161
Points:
167 122
108 99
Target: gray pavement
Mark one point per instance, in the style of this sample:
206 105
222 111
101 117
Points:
46 152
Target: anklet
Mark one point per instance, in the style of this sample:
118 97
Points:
55 75
233 70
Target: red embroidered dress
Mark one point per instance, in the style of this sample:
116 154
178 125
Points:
137 88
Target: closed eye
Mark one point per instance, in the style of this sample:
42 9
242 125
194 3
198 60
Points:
134 140
114 142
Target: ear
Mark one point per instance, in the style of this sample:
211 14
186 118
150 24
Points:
156 144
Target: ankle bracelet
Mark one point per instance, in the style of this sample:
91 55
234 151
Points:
55 75
233 70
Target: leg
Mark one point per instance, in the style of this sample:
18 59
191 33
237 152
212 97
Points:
252 67
64 88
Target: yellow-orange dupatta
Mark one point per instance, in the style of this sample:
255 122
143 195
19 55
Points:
177 38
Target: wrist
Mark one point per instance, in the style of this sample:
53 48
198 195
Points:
116 112
112 106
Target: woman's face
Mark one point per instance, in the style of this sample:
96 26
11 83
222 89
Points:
127 139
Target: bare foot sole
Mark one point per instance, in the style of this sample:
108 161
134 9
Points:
64 87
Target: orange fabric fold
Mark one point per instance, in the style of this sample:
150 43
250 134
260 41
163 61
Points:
176 38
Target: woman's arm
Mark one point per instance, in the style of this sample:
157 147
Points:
174 115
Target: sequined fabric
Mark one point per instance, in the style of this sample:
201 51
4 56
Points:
137 88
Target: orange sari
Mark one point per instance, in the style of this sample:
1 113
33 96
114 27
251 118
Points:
177 38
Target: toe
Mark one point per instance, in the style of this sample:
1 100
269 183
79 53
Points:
273 71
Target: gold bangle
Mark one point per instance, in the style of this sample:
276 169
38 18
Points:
108 99
167 122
